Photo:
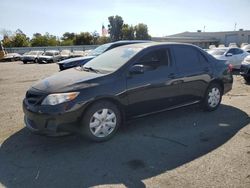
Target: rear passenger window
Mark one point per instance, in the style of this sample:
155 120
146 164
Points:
156 58
202 58
188 59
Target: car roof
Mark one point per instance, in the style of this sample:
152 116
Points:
151 44
130 41
51 51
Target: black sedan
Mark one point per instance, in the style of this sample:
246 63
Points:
99 50
128 81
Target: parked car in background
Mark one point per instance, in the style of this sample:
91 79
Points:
246 48
211 46
73 62
77 53
99 50
234 56
31 56
221 46
50 56
245 69
233 45
127 81
243 44
11 57
65 54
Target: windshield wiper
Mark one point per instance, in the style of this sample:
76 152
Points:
89 69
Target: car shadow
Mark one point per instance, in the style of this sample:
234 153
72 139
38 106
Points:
145 148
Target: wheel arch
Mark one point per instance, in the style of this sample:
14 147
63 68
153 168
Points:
217 81
109 99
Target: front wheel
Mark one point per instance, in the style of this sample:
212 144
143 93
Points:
247 79
212 97
101 121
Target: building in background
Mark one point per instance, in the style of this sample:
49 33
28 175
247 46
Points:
205 39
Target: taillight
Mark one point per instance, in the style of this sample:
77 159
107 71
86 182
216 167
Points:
230 68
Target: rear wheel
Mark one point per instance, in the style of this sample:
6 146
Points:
101 121
36 60
24 62
247 79
212 97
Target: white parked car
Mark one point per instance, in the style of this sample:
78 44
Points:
65 54
234 56
246 48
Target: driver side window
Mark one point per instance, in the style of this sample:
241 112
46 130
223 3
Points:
155 59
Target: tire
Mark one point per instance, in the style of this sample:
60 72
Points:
212 98
101 121
247 79
36 60
24 62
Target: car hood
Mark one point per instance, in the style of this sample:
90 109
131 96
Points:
45 57
75 59
28 55
68 80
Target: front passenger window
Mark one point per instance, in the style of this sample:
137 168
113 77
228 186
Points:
155 59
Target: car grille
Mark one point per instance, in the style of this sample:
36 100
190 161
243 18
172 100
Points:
34 98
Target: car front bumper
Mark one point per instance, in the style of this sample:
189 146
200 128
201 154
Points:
50 123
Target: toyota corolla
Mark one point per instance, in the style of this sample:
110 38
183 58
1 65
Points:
128 81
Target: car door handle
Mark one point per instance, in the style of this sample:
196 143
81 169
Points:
171 75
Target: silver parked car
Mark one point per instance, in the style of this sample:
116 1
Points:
234 56
31 56
50 56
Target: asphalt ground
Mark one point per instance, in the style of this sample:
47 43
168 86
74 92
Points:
185 147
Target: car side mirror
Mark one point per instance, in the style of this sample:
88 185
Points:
229 54
137 69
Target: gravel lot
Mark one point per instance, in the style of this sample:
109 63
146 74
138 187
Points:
182 148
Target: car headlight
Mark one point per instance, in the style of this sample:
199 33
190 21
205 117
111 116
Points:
54 99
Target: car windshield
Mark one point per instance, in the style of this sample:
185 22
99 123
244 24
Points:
99 50
113 59
65 52
33 53
48 54
217 51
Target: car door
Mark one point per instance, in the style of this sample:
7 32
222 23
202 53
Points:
194 73
240 56
154 89
232 57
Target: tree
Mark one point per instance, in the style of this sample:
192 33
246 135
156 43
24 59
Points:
141 32
7 41
44 40
102 40
128 32
84 38
115 27
18 39
68 36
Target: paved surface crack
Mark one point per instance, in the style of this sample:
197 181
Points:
168 139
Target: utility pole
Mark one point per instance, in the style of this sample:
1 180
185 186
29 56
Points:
235 26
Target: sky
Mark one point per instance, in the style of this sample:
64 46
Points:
163 17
